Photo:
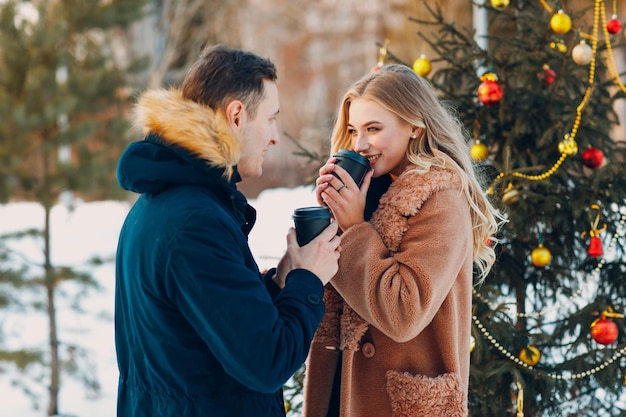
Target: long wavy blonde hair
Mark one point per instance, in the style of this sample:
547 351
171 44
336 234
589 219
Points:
442 142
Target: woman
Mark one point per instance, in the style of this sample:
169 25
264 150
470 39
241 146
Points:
395 339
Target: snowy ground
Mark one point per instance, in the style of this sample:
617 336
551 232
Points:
92 229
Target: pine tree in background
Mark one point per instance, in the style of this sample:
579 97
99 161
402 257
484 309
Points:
548 329
62 106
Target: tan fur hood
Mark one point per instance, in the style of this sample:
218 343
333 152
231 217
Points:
190 125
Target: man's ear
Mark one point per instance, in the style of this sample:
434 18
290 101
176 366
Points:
235 114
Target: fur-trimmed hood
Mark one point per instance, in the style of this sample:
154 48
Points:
186 143
202 131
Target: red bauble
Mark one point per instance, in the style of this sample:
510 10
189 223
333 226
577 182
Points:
592 157
604 331
489 91
613 26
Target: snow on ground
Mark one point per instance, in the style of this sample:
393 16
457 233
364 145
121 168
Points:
92 229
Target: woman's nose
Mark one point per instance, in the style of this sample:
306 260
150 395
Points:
361 143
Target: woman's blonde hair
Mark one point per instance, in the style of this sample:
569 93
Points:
442 142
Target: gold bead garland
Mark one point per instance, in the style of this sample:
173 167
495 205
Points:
539 177
618 354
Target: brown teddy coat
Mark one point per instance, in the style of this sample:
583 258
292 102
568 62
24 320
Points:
399 309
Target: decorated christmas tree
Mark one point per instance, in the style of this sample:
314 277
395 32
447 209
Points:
537 93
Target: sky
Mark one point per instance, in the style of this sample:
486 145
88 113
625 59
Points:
92 229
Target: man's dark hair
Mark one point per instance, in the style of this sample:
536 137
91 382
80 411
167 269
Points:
222 74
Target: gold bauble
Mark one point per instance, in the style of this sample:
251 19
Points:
472 344
510 196
530 355
568 146
479 151
560 23
422 66
540 256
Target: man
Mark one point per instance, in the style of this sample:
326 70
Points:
199 331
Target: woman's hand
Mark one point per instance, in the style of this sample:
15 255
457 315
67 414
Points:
342 196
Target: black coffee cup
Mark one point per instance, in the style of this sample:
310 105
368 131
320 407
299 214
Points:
356 164
310 222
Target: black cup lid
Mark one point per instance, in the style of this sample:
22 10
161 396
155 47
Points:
357 157
315 211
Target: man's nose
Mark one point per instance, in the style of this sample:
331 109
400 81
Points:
275 137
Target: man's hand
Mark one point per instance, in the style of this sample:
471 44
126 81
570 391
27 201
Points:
320 255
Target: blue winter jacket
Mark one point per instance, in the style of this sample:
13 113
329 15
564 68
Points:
199 331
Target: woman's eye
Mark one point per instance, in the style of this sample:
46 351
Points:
351 131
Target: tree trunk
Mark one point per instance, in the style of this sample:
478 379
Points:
53 389
49 282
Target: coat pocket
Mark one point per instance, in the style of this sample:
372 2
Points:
418 395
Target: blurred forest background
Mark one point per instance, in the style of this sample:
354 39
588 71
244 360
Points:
320 48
